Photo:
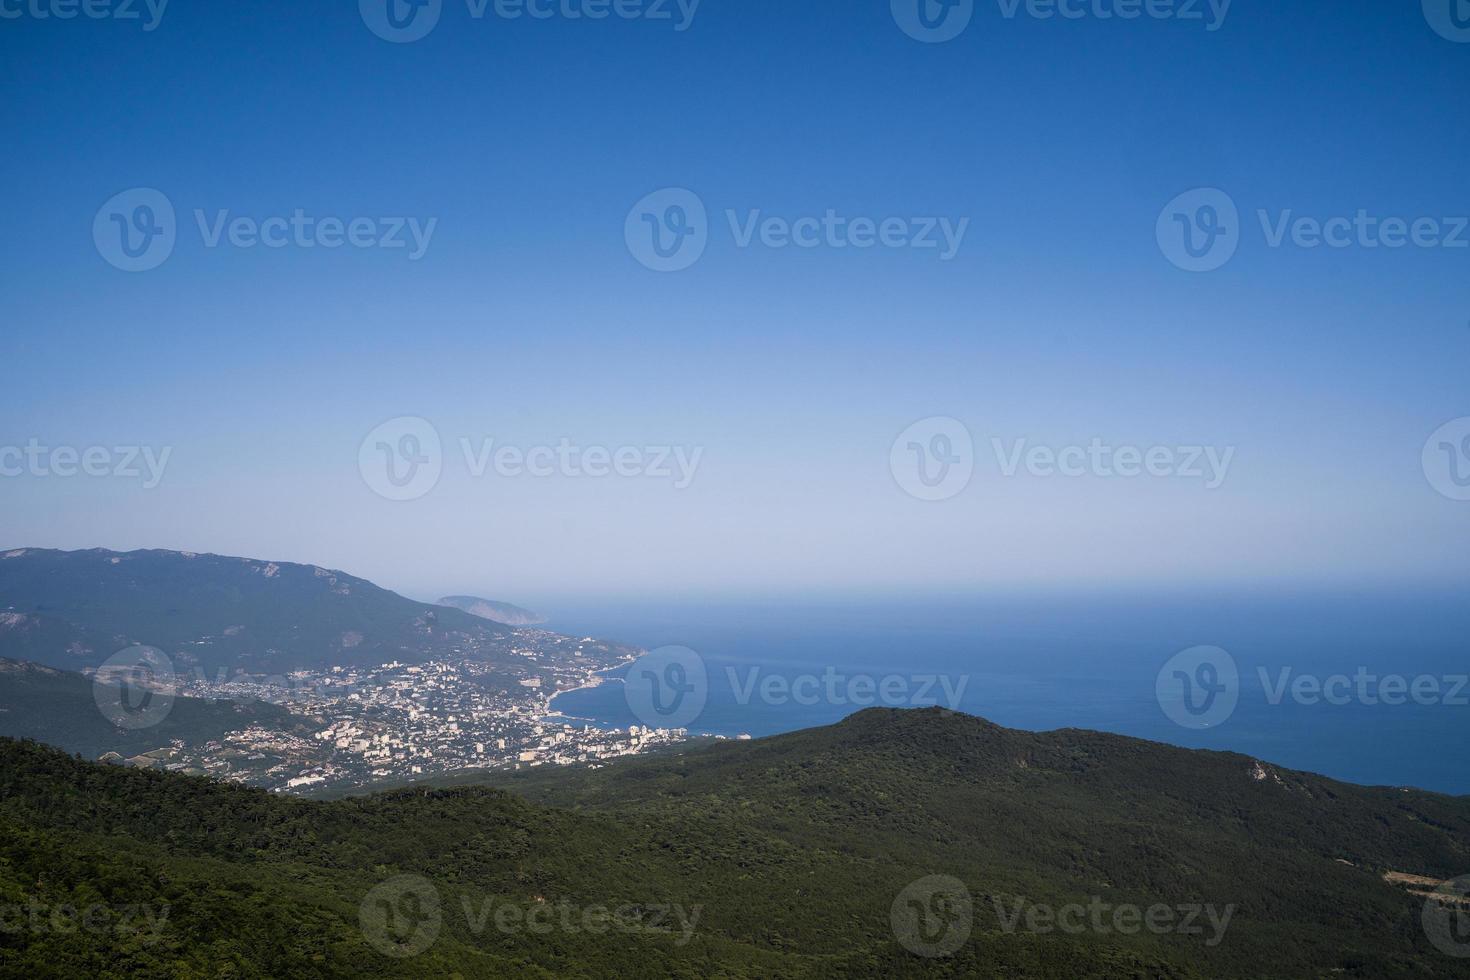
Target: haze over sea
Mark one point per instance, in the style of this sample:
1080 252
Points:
1084 662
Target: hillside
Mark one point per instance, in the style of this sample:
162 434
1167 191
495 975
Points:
59 708
74 609
781 857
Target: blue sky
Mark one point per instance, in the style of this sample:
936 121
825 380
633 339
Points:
528 319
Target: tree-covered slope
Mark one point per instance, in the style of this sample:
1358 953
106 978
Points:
60 708
74 609
1062 817
783 857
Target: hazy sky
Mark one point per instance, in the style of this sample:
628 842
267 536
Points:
1053 144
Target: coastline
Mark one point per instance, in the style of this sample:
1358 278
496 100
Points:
594 679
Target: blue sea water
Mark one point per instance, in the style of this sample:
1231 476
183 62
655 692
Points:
1041 663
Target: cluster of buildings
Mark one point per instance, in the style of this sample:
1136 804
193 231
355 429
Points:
352 727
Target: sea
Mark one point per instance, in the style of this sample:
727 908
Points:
1366 686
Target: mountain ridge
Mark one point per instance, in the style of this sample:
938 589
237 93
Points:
73 609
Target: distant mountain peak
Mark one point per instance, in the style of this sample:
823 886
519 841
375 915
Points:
497 612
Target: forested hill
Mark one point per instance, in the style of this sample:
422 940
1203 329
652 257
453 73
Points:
74 609
783 857
60 708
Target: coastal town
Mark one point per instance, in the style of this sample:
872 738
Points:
354 727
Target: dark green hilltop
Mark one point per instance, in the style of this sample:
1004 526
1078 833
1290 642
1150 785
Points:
780 857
